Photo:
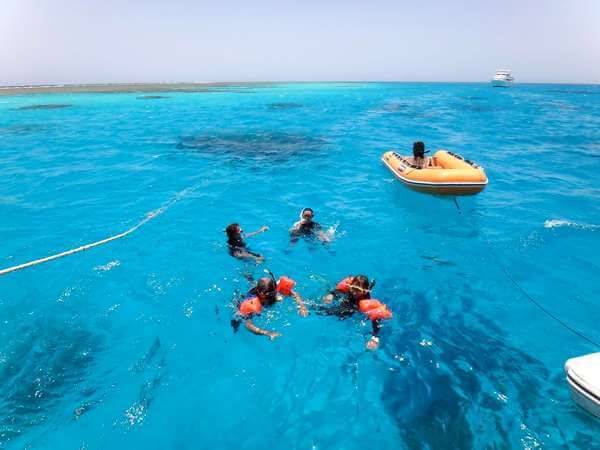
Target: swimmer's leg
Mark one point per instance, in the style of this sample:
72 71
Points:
246 254
373 342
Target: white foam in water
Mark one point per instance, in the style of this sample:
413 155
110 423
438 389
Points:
332 231
556 223
107 267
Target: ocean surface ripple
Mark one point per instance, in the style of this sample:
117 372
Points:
129 345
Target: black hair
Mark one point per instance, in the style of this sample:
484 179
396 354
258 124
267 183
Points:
265 285
268 288
361 281
232 230
418 149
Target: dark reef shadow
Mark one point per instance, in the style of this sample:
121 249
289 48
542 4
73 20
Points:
44 106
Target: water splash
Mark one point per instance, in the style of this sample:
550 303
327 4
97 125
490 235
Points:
557 223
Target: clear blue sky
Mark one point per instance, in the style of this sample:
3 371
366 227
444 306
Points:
85 41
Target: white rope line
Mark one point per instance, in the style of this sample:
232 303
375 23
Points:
149 216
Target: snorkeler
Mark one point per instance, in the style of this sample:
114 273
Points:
354 294
265 294
236 244
307 227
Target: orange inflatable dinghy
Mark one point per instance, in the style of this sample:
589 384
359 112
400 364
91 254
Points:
444 173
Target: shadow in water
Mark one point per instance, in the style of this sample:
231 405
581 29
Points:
151 367
152 97
468 388
239 147
279 106
24 129
41 367
45 106
575 91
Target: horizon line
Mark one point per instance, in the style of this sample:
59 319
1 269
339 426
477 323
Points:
131 87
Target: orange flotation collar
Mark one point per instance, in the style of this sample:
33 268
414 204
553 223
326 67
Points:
285 285
250 306
374 309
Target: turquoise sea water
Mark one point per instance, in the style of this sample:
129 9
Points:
129 345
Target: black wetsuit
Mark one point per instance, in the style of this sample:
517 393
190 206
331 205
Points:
304 229
345 308
237 248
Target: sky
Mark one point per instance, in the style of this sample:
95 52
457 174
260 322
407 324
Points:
109 41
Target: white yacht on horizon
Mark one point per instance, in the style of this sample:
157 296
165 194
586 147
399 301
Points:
502 78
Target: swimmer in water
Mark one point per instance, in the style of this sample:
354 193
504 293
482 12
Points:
236 244
354 294
307 227
265 294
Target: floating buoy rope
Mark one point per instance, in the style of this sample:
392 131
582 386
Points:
529 297
149 216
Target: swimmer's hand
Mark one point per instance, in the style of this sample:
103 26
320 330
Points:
373 343
327 299
303 311
272 335
263 229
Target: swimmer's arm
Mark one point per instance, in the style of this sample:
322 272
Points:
254 329
295 227
254 233
300 304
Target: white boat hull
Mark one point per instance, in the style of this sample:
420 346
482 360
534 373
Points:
583 376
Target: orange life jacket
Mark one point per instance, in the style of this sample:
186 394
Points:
344 285
285 285
250 306
374 309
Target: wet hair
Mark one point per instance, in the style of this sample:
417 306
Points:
306 210
418 149
266 286
361 281
232 230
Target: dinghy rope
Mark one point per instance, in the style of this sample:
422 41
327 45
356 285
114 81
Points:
149 216
530 297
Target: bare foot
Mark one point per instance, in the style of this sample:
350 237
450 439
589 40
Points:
373 343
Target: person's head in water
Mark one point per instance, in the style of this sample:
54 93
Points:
360 287
266 290
307 214
418 150
234 231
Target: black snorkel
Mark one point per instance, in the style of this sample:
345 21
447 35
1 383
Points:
271 275
372 284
